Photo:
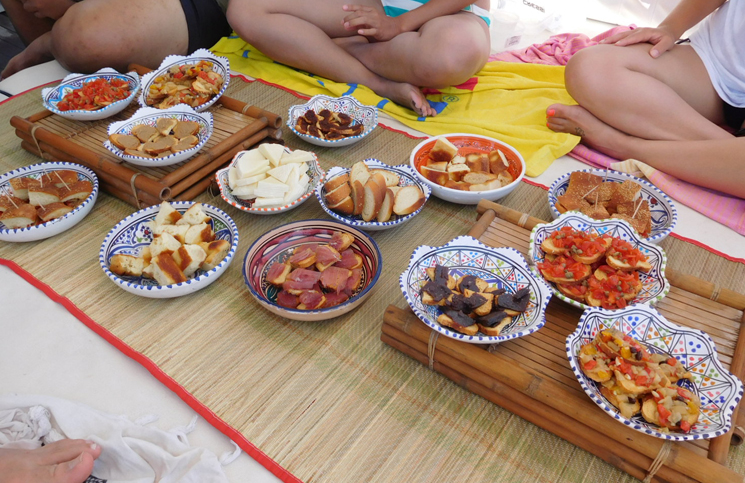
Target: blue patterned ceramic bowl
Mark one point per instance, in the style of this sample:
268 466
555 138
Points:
315 173
654 284
501 267
664 214
718 390
278 244
150 116
57 225
220 64
361 114
406 177
133 233
51 96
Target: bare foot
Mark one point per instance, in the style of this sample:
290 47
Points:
406 95
65 461
594 132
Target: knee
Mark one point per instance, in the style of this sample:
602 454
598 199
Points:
456 62
242 16
588 72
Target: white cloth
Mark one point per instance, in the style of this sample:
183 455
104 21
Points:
130 452
719 42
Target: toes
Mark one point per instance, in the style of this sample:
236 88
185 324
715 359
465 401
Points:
73 471
66 450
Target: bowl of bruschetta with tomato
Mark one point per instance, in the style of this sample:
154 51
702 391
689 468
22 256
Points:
598 263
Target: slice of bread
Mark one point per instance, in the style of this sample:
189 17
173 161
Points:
160 145
216 251
359 172
43 195
144 133
19 217
375 190
435 175
443 150
456 172
127 265
335 182
345 206
338 194
185 128
408 200
176 231
478 162
199 233
79 190
164 243
391 178
185 143
386 209
167 214
52 211
189 258
164 125
124 141
195 215
358 196
166 271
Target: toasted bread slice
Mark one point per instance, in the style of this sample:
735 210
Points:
39 195
335 182
187 142
436 173
216 251
386 209
408 199
52 211
124 141
358 197
359 172
164 125
334 196
443 150
375 191
127 265
185 128
144 133
19 217
345 206
458 321
161 145
627 404
391 178
78 190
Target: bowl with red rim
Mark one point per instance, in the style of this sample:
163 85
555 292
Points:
654 285
468 144
278 246
717 389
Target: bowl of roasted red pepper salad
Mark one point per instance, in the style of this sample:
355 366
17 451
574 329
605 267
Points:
90 97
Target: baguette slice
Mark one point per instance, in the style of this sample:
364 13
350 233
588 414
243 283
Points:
335 196
185 128
159 146
344 206
358 197
359 172
335 182
144 133
374 194
408 200
164 125
391 178
124 141
386 209
185 143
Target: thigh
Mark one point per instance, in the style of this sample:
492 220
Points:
460 39
682 70
118 33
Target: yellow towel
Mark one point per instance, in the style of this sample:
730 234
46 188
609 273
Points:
506 101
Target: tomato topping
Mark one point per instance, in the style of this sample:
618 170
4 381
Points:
685 425
94 95
672 361
590 365
625 252
664 413
681 392
642 380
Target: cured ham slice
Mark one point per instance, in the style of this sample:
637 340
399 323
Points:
303 257
301 279
335 298
353 282
341 241
277 273
286 299
326 255
335 278
349 260
311 300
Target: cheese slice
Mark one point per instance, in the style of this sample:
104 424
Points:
271 188
297 156
282 172
232 177
272 152
268 202
250 180
294 193
247 163
245 192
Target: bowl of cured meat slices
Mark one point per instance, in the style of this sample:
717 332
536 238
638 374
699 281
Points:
312 270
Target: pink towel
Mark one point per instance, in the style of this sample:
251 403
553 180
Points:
722 208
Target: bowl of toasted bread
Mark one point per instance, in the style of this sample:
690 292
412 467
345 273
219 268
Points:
332 121
475 293
197 80
169 250
159 137
90 97
602 194
652 375
372 195
598 263
42 200
312 270
270 179
466 168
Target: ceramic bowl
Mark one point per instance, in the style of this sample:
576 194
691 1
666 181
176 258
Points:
664 214
133 233
51 96
221 65
406 178
467 144
149 116
502 267
361 114
315 173
57 225
654 284
277 245
718 389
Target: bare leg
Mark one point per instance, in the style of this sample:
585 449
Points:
445 51
307 28
670 97
84 40
28 26
66 461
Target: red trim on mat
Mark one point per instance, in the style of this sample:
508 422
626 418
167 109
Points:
27 90
164 378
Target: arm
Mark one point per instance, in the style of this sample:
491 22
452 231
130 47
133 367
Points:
370 22
716 164
38 51
684 16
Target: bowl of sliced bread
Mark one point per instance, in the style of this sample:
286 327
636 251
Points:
42 200
372 195
159 137
602 194
270 179
466 168
475 293
169 250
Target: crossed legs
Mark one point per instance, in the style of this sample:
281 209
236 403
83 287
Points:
314 39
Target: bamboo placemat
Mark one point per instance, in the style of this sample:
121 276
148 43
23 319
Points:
327 401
